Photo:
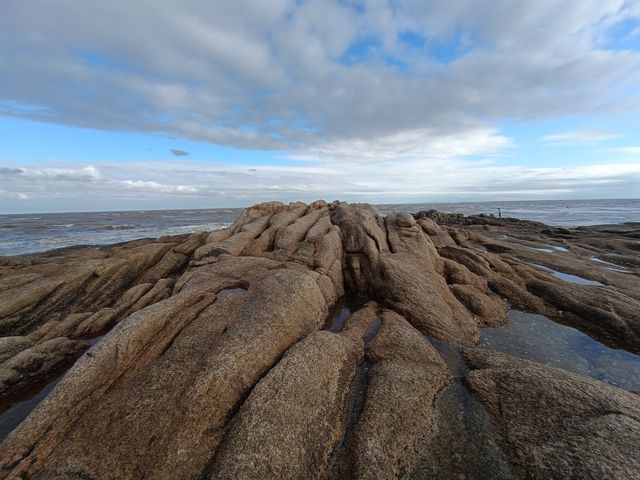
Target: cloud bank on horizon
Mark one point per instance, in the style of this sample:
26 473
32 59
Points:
377 100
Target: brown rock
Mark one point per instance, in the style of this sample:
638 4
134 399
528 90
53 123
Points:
394 261
558 424
37 361
10 346
290 423
398 416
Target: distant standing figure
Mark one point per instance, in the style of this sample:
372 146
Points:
499 212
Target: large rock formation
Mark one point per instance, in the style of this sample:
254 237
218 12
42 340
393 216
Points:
209 356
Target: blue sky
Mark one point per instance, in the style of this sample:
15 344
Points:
203 104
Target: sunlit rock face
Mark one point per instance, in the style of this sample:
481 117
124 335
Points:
318 341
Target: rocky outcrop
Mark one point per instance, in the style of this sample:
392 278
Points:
210 356
397 263
81 281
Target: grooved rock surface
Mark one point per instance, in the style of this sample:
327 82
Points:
37 360
394 261
398 416
291 420
315 341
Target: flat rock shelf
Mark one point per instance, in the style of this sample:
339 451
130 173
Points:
326 341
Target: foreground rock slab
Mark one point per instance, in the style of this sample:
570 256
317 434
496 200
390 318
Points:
558 424
210 355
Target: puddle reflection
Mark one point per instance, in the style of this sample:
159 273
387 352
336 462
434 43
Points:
552 249
337 320
536 337
227 292
18 410
372 330
567 277
610 266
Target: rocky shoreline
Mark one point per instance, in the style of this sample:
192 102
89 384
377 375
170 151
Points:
319 341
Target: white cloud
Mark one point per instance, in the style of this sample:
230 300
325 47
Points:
88 173
401 123
418 143
222 71
580 137
158 187
624 150
385 180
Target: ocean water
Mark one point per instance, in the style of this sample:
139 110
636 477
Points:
566 213
21 234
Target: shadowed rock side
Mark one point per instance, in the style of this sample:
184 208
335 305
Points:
216 363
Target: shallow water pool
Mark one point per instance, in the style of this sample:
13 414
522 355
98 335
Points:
16 411
567 277
610 266
537 338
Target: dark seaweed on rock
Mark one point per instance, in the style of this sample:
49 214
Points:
216 361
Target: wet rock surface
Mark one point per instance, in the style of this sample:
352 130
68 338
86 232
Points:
318 341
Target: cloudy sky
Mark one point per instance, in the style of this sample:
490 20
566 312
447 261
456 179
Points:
132 104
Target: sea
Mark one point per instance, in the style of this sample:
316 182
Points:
29 233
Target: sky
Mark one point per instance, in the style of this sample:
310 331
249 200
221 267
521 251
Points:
141 104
